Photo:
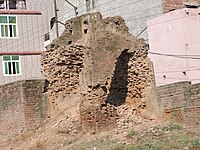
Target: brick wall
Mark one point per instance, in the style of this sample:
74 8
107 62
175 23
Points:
98 58
22 107
181 102
169 5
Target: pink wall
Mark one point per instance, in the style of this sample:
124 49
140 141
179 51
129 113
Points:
176 33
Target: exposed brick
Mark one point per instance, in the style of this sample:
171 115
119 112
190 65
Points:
169 5
107 66
181 102
22 107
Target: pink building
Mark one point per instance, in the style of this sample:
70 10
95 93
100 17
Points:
174 40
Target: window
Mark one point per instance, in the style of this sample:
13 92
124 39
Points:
46 37
11 65
90 4
47 40
12 4
8 26
93 4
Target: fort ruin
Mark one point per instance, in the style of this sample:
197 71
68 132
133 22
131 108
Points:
98 60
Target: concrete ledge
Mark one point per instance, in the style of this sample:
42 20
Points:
21 12
22 53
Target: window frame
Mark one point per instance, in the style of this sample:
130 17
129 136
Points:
11 60
90 5
93 4
8 25
87 5
7 5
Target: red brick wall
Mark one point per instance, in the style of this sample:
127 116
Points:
181 102
174 4
22 107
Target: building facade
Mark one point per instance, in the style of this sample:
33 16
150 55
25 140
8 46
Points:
135 12
174 46
23 26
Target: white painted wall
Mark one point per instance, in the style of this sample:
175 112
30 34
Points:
135 12
31 30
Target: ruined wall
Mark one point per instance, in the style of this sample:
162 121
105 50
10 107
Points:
22 107
169 5
181 102
100 61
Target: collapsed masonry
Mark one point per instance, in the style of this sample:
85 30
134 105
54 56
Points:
98 61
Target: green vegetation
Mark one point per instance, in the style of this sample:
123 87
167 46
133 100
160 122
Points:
171 127
169 143
162 137
131 133
103 144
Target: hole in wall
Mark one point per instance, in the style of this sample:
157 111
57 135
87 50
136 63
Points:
70 31
85 31
69 42
85 22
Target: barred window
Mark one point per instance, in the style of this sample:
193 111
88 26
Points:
12 4
8 26
90 4
11 65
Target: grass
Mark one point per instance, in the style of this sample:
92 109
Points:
104 144
175 138
178 142
131 133
172 126
195 144
175 143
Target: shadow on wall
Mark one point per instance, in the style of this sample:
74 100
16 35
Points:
118 88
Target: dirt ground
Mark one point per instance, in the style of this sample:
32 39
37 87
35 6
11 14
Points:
65 133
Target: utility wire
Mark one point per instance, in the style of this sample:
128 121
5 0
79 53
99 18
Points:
68 14
174 78
177 56
194 67
35 30
178 70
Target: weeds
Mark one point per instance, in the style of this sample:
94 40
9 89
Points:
195 144
171 127
79 128
131 133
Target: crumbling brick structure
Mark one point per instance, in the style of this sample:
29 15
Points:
106 66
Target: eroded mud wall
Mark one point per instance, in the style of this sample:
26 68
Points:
106 66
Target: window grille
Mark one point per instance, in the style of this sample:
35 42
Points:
12 4
11 65
8 26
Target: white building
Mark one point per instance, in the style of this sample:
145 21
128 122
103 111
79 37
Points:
135 12
23 25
